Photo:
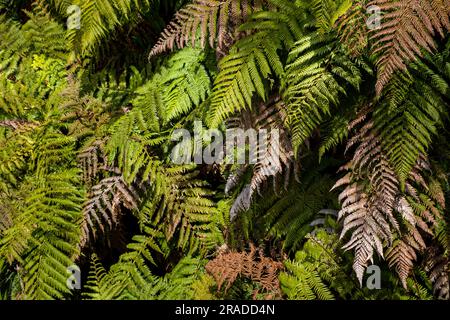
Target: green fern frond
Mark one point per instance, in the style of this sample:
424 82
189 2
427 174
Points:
99 18
318 75
326 12
412 113
242 73
253 62
186 83
313 272
51 216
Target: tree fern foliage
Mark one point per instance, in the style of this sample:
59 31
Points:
353 174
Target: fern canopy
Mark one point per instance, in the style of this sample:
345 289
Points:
343 115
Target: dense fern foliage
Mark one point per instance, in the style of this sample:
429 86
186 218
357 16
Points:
349 199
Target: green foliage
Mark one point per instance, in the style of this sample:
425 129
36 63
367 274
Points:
413 111
99 18
318 74
86 140
186 83
130 278
304 281
55 208
253 62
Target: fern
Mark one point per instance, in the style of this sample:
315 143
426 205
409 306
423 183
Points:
274 158
86 155
212 19
242 74
189 206
104 206
325 12
290 216
16 148
228 266
99 18
246 70
437 266
52 207
318 75
186 84
131 279
412 113
312 273
334 132
40 34
181 279
408 27
368 208
352 28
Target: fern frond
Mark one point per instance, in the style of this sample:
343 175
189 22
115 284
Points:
437 265
407 28
274 157
290 215
334 132
253 61
317 271
378 212
186 83
51 216
212 20
228 266
242 73
99 18
317 75
368 213
326 12
352 28
104 206
412 113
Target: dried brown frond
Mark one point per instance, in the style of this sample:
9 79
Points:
407 30
368 212
275 156
377 211
91 159
437 266
402 255
20 126
421 215
253 265
103 208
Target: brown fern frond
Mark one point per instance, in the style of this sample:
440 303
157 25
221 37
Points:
216 20
421 216
253 265
103 208
437 266
370 198
376 210
234 178
275 157
91 159
401 257
352 28
20 126
408 28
